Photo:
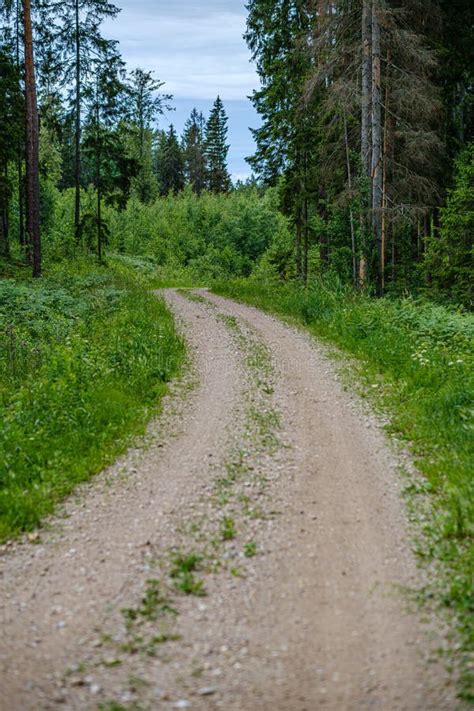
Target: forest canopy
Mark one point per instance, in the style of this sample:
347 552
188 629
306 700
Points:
365 145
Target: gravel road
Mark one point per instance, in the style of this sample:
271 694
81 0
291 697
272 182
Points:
287 491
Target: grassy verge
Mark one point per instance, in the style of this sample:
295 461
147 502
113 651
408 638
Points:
416 359
85 355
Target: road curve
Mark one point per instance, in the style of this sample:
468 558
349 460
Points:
318 621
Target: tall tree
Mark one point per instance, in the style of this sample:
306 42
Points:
32 144
216 149
144 106
278 35
11 133
106 100
78 41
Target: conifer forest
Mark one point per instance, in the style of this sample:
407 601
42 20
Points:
236 404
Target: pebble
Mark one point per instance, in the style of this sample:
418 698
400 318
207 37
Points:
182 704
207 691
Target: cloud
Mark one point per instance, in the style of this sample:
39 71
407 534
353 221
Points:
196 47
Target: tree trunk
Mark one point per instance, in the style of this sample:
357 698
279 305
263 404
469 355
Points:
366 86
99 213
366 125
21 187
376 173
4 237
351 213
388 142
77 166
98 156
305 239
32 145
298 242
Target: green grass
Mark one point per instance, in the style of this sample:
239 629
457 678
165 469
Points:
85 357
228 530
184 567
415 360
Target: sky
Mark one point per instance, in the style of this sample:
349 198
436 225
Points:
196 47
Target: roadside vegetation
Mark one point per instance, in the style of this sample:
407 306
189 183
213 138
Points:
85 355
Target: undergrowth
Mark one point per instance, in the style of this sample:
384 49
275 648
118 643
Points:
85 355
416 360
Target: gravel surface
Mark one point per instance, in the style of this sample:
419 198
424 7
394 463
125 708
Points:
251 555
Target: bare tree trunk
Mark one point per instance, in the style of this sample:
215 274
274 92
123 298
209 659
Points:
351 213
387 143
99 212
305 240
32 144
305 217
77 167
4 227
377 142
21 187
298 244
366 86
98 156
366 124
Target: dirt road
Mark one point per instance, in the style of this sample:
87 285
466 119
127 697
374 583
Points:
252 556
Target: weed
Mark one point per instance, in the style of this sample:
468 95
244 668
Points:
228 531
183 568
154 604
250 550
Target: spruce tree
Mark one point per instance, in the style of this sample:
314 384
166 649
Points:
278 35
105 101
216 149
194 151
144 105
170 163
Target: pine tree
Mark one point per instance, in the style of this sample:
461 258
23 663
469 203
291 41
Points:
12 40
216 149
32 144
78 41
11 133
194 151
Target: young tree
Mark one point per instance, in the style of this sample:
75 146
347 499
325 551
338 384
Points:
194 151
216 149
450 254
106 103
